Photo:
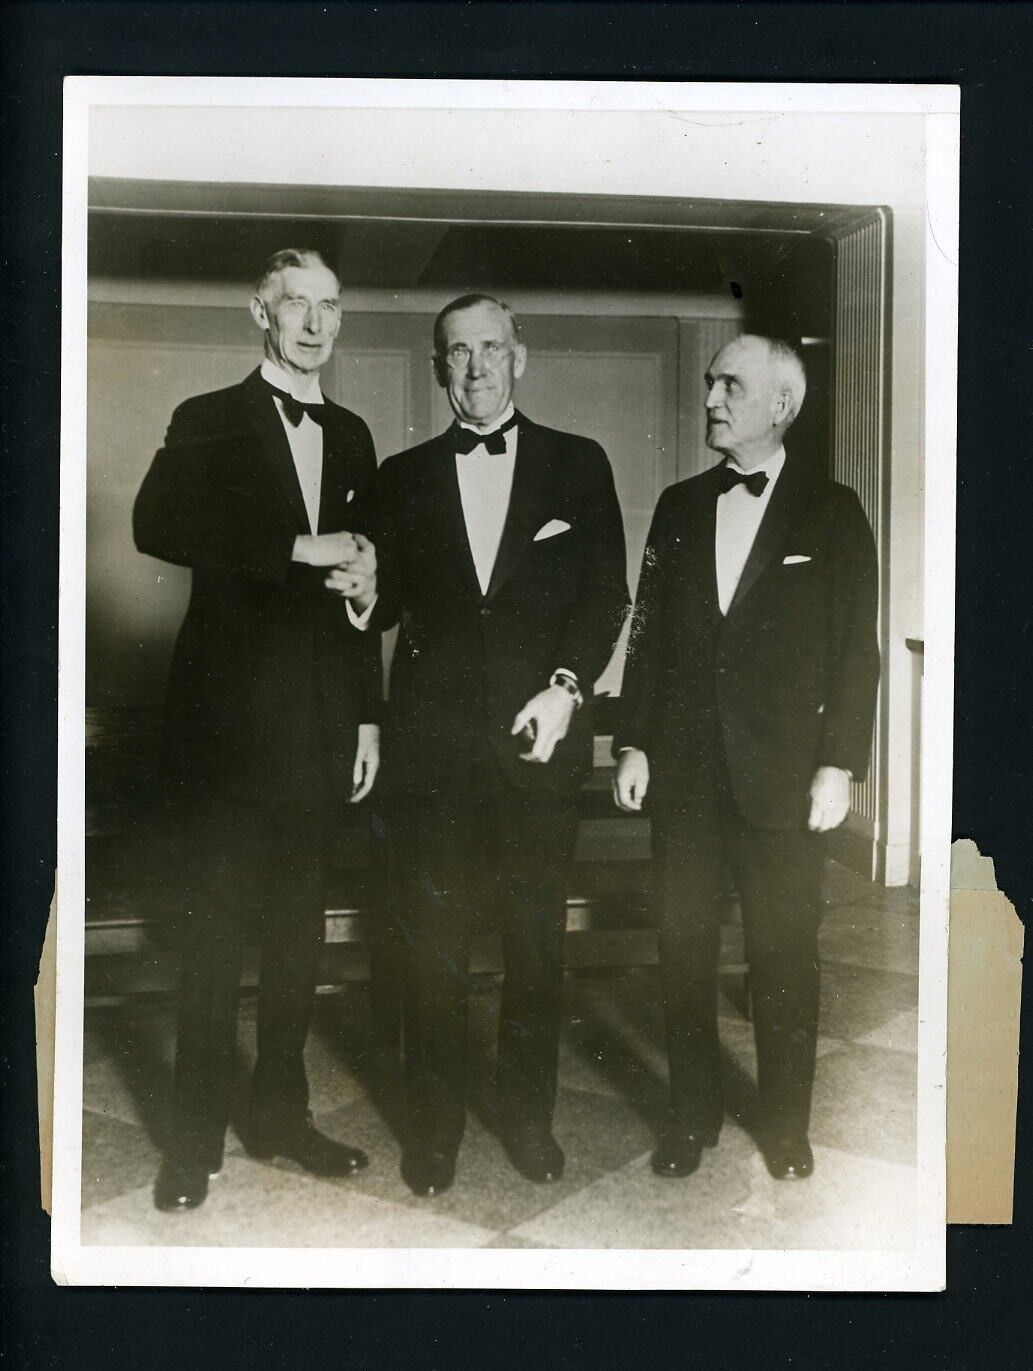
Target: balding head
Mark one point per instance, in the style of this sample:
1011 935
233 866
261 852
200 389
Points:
269 283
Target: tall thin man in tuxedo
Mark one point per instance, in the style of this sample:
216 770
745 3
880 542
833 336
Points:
748 702
272 710
501 550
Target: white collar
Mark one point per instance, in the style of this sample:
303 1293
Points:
503 418
303 388
771 466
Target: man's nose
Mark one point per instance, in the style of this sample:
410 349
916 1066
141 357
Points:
476 365
713 398
312 319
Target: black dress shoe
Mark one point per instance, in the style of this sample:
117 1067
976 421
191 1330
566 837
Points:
303 1143
679 1154
180 1187
428 1171
790 1159
536 1155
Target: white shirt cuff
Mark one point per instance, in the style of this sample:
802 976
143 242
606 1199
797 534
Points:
360 621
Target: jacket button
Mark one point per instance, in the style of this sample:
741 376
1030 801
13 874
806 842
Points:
485 612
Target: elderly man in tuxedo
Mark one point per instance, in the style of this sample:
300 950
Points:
748 703
501 551
272 709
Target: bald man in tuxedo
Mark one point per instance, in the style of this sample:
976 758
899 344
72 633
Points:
748 702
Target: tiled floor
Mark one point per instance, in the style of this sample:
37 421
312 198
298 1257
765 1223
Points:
612 1074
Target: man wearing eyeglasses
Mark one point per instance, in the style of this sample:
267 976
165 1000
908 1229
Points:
501 552
272 710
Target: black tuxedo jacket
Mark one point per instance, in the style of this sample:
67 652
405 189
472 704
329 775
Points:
269 680
786 681
467 662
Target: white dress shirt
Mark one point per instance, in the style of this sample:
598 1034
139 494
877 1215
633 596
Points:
305 439
306 444
485 484
738 518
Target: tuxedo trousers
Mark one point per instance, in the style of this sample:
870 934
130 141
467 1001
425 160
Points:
251 868
497 859
701 857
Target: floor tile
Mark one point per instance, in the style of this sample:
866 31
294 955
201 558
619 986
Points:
841 886
251 1205
899 1033
336 1043
596 1134
116 1157
130 1074
856 1000
864 1103
869 938
613 1041
737 1041
613 1097
731 1202
633 1208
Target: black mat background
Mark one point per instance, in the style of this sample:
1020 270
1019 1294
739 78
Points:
988 49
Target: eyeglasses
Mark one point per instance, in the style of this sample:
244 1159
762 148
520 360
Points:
459 355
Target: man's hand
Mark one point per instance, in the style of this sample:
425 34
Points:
355 577
830 799
325 549
367 762
544 720
632 779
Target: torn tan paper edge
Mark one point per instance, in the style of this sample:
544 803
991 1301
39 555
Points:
984 984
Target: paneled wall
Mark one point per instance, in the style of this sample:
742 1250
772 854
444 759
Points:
859 381
632 383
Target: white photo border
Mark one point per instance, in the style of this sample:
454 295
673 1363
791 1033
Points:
721 109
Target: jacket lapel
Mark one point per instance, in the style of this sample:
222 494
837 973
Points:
274 446
335 509
525 504
446 507
787 500
700 535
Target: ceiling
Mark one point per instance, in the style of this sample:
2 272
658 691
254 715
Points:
772 254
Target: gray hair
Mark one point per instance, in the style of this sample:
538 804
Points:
787 364
468 302
291 257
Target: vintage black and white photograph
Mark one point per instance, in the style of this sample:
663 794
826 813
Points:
506 610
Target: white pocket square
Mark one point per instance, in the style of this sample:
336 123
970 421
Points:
794 560
349 497
550 529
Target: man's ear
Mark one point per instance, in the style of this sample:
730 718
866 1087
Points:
519 360
258 311
782 409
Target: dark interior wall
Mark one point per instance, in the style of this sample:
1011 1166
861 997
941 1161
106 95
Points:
631 379
616 378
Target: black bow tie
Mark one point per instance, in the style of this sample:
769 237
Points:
729 478
295 410
466 439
